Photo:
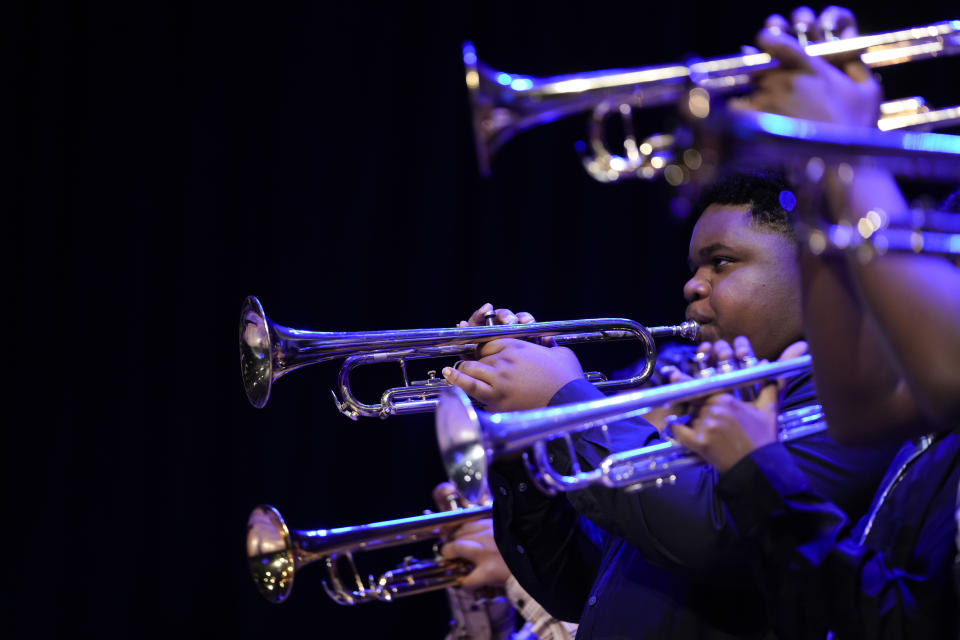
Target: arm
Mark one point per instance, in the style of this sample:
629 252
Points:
915 300
861 386
684 526
873 364
541 538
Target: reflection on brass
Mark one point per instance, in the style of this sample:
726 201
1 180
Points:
469 440
268 351
505 104
276 553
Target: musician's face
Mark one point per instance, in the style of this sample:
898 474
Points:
746 281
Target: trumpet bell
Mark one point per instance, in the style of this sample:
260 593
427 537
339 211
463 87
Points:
256 347
275 554
459 438
269 350
505 104
270 553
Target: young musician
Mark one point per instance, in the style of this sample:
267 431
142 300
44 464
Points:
664 563
885 335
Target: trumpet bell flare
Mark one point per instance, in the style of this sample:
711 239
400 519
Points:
461 445
256 364
271 559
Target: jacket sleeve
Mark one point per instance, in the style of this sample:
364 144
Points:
552 551
549 550
819 579
686 526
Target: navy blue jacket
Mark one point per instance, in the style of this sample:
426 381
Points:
660 563
892 582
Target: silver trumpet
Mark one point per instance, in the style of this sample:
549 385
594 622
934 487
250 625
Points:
269 351
275 553
470 440
752 140
505 104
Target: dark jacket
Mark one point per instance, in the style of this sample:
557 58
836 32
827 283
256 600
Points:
660 563
889 578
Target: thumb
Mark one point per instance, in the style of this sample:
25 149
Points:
446 498
546 341
795 350
686 436
458 549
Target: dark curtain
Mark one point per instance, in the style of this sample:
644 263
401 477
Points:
171 158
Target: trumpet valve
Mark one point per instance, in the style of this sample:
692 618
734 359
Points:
726 366
748 392
704 370
431 381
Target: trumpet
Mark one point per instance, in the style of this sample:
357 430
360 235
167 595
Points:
275 553
469 439
505 104
755 140
269 351
920 231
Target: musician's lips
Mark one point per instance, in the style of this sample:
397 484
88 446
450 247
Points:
707 332
698 319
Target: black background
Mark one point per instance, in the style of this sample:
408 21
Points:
172 158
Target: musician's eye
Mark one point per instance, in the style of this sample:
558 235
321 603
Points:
719 262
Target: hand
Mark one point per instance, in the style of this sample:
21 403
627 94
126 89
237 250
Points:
811 87
504 316
446 497
662 415
500 316
508 376
474 542
514 374
724 429
659 416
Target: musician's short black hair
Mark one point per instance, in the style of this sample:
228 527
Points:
766 193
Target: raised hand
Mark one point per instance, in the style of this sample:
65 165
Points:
811 87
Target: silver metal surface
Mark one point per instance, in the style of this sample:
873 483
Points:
470 439
269 351
747 140
505 104
275 553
